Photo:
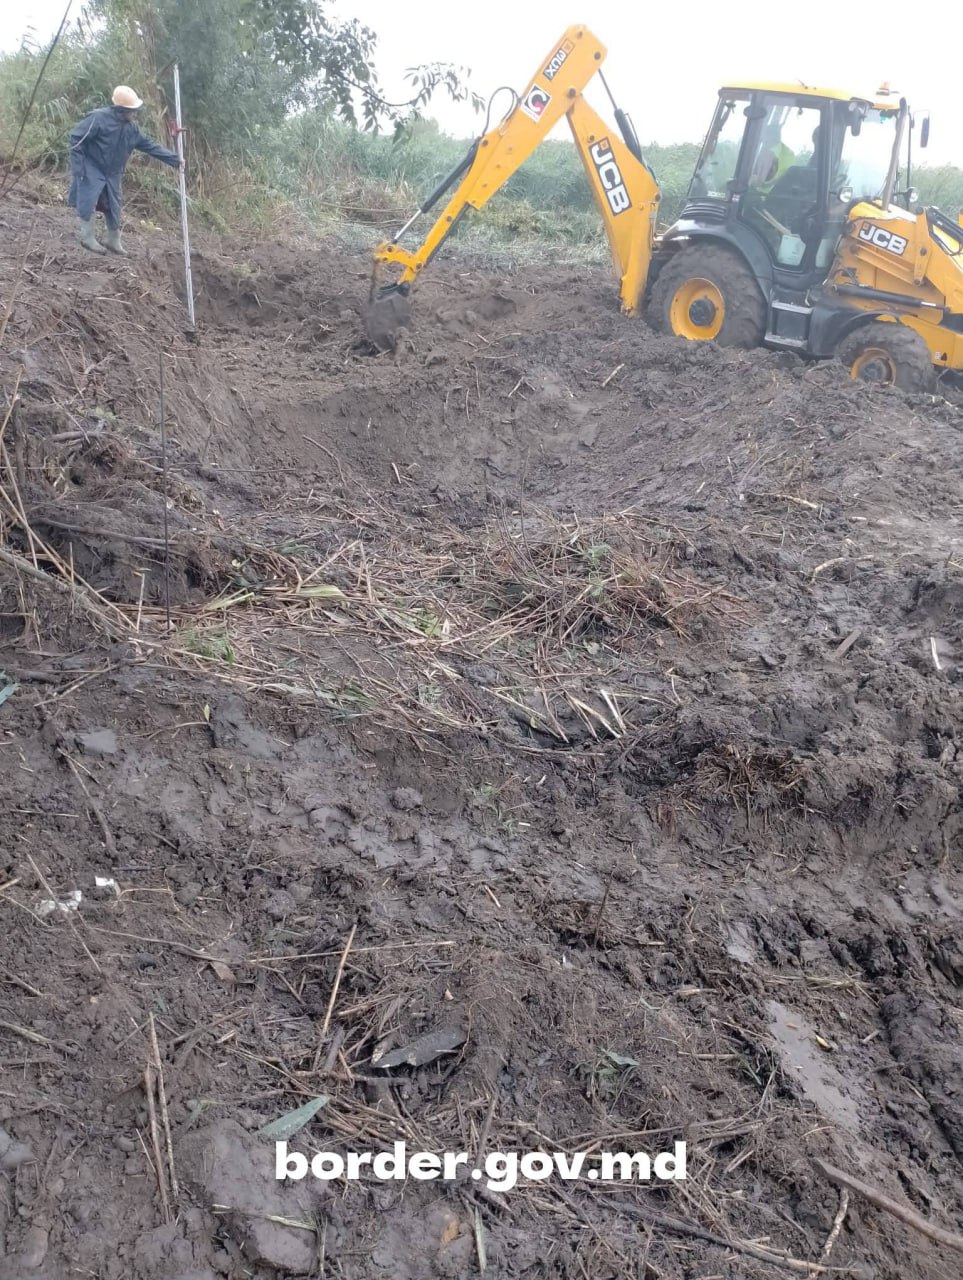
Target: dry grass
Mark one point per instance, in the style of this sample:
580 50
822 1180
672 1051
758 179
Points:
534 628
441 630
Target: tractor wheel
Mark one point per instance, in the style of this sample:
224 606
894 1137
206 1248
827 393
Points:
706 293
889 353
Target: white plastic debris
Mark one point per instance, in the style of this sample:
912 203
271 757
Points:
70 903
106 882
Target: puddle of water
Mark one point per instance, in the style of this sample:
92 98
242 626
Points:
816 1075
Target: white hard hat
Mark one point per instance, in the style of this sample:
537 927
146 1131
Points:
124 96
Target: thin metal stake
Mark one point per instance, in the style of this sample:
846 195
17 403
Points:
167 544
182 182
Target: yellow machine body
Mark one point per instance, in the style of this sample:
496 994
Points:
626 193
895 252
865 280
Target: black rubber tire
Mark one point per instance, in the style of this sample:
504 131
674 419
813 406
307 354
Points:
744 323
907 352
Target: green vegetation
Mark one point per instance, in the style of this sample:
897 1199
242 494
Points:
264 142
273 94
941 185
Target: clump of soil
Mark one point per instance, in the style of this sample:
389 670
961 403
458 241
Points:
553 747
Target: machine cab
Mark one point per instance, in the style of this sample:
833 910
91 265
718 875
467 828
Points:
782 165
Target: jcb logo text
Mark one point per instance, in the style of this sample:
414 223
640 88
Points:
883 239
610 177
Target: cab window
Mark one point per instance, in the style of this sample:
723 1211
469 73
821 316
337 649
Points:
720 155
866 157
783 196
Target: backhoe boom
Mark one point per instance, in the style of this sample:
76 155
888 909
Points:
625 191
794 232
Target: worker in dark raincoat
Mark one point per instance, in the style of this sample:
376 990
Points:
100 146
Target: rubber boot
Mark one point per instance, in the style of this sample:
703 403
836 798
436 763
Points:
113 242
85 234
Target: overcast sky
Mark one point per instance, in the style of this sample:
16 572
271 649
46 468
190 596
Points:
664 64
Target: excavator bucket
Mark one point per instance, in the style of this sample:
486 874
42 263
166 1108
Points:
389 311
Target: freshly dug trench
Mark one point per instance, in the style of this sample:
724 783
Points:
590 692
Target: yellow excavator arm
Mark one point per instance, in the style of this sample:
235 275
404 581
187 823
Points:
625 190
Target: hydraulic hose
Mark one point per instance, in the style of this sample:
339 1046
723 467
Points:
464 165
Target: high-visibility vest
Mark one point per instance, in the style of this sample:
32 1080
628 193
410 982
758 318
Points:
785 159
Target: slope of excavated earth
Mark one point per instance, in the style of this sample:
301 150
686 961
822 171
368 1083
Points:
583 701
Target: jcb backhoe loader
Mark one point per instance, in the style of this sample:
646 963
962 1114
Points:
794 233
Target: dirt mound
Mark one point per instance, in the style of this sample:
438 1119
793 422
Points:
554 748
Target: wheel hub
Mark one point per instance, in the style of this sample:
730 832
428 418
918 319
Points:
875 371
874 365
697 310
702 312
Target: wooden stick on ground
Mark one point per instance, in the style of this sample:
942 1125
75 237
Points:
149 1079
678 1226
79 593
93 806
162 1099
837 1225
333 997
334 1048
882 1201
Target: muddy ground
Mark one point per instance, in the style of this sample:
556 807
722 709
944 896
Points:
598 693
